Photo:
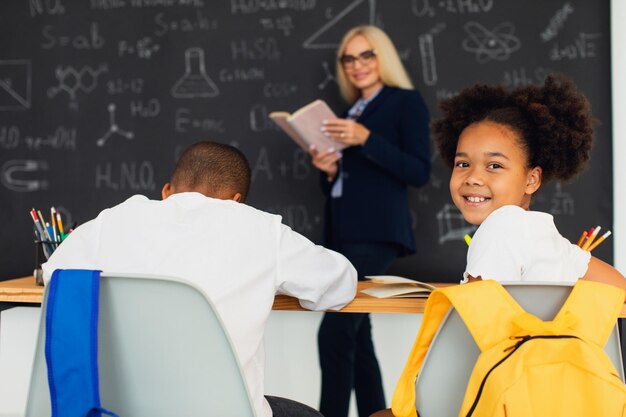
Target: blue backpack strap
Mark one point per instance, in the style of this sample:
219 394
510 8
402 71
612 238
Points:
72 343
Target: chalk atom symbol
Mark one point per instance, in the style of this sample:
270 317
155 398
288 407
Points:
113 128
497 44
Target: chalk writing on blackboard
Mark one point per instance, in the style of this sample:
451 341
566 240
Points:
496 44
443 93
282 23
520 77
51 7
427 52
199 22
145 109
15 84
122 86
427 8
21 175
557 22
62 138
561 203
142 48
256 49
280 89
262 165
127 175
259 119
71 80
256 6
241 74
299 168
195 83
9 137
113 128
359 11
583 47
93 40
185 121
329 76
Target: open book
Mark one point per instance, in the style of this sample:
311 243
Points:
303 126
397 287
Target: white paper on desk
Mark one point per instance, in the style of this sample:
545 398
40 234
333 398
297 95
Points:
394 279
395 286
397 291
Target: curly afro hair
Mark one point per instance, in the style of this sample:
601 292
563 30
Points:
553 122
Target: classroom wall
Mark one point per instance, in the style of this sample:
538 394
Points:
618 40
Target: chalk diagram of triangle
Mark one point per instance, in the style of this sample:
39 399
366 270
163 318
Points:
15 84
329 36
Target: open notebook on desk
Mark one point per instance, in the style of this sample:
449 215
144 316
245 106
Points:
394 286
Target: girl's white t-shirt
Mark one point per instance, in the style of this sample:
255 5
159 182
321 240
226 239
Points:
514 244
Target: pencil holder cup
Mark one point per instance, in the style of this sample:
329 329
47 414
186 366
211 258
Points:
43 250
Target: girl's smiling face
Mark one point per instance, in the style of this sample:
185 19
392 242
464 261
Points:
490 171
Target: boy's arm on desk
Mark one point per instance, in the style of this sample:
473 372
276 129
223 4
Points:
364 303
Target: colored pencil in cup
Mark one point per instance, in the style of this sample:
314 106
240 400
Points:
600 240
587 236
590 239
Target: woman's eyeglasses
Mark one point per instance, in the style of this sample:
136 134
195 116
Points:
364 58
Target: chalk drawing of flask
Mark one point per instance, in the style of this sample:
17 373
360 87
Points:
195 82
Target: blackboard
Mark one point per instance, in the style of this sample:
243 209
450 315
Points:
98 98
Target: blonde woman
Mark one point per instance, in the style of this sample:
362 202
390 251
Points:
367 215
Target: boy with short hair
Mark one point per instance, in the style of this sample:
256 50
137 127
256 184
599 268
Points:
240 256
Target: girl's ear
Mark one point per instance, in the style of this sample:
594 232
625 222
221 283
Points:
166 191
533 180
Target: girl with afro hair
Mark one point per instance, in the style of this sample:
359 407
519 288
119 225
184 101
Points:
502 146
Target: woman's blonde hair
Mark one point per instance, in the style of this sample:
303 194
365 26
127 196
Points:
390 68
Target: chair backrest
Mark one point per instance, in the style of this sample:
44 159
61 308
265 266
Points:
162 351
441 383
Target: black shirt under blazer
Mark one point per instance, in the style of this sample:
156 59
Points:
374 204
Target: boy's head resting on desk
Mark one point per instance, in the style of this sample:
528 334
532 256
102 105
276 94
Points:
213 169
503 145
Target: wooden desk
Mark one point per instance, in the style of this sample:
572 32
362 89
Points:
20 290
24 290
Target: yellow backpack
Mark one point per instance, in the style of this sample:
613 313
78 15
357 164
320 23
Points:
527 367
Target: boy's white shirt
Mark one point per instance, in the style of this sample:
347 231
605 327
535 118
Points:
241 257
514 244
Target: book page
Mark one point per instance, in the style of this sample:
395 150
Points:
307 121
280 118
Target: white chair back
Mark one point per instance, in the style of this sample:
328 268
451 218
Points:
162 351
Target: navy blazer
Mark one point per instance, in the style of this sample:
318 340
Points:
374 205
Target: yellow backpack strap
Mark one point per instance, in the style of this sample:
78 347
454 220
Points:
477 303
596 307
403 402
487 310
